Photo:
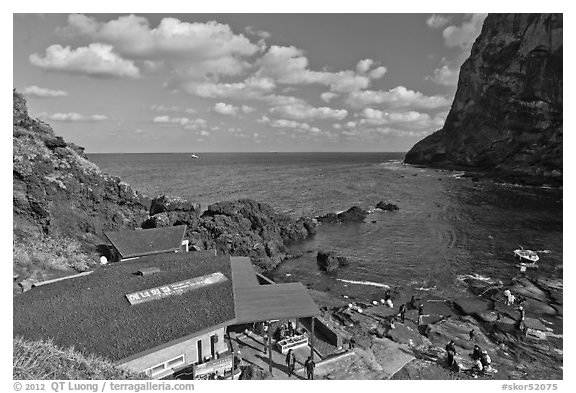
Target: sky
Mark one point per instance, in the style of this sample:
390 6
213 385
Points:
117 83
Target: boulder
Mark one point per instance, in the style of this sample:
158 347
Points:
526 288
328 261
387 206
167 203
538 307
470 306
510 311
330 218
354 214
403 334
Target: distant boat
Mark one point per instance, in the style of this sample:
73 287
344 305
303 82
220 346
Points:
526 255
193 155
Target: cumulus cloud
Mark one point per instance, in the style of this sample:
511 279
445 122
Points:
288 65
191 49
373 123
191 124
251 30
226 109
328 95
96 59
40 92
463 36
445 75
398 97
302 111
72 117
247 109
436 21
165 108
290 124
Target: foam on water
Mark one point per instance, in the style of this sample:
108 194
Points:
374 284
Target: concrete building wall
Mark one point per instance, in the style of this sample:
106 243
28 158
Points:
187 348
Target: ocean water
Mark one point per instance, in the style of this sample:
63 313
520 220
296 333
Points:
447 226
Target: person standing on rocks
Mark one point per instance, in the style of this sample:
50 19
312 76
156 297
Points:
472 335
413 300
420 314
402 312
521 323
310 365
451 351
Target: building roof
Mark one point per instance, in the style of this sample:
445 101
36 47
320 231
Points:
93 314
140 242
255 303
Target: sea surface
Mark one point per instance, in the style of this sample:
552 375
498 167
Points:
448 227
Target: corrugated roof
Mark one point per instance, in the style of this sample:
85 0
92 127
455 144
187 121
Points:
92 313
255 303
140 242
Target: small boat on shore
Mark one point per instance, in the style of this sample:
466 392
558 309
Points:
526 255
193 155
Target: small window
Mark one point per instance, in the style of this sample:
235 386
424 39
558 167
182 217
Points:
179 361
157 369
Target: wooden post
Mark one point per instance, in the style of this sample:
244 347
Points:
233 352
269 350
312 340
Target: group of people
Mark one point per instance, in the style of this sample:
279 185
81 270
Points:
309 364
287 330
482 361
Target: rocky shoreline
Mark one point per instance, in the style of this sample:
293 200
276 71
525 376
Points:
517 349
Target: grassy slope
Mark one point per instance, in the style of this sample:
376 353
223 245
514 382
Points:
43 360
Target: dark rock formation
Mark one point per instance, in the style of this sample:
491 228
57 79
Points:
328 261
166 203
354 214
248 228
387 206
506 118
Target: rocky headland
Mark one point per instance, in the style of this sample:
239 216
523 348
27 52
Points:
63 204
506 118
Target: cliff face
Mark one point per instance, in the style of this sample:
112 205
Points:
506 117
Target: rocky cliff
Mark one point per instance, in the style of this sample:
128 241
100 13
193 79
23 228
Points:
506 118
62 205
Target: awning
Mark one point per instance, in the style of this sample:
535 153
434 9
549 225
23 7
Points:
257 303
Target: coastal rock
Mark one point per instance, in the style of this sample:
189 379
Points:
404 334
510 311
329 261
386 206
526 288
538 307
469 306
354 214
506 118
330 218
167 203
249 228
